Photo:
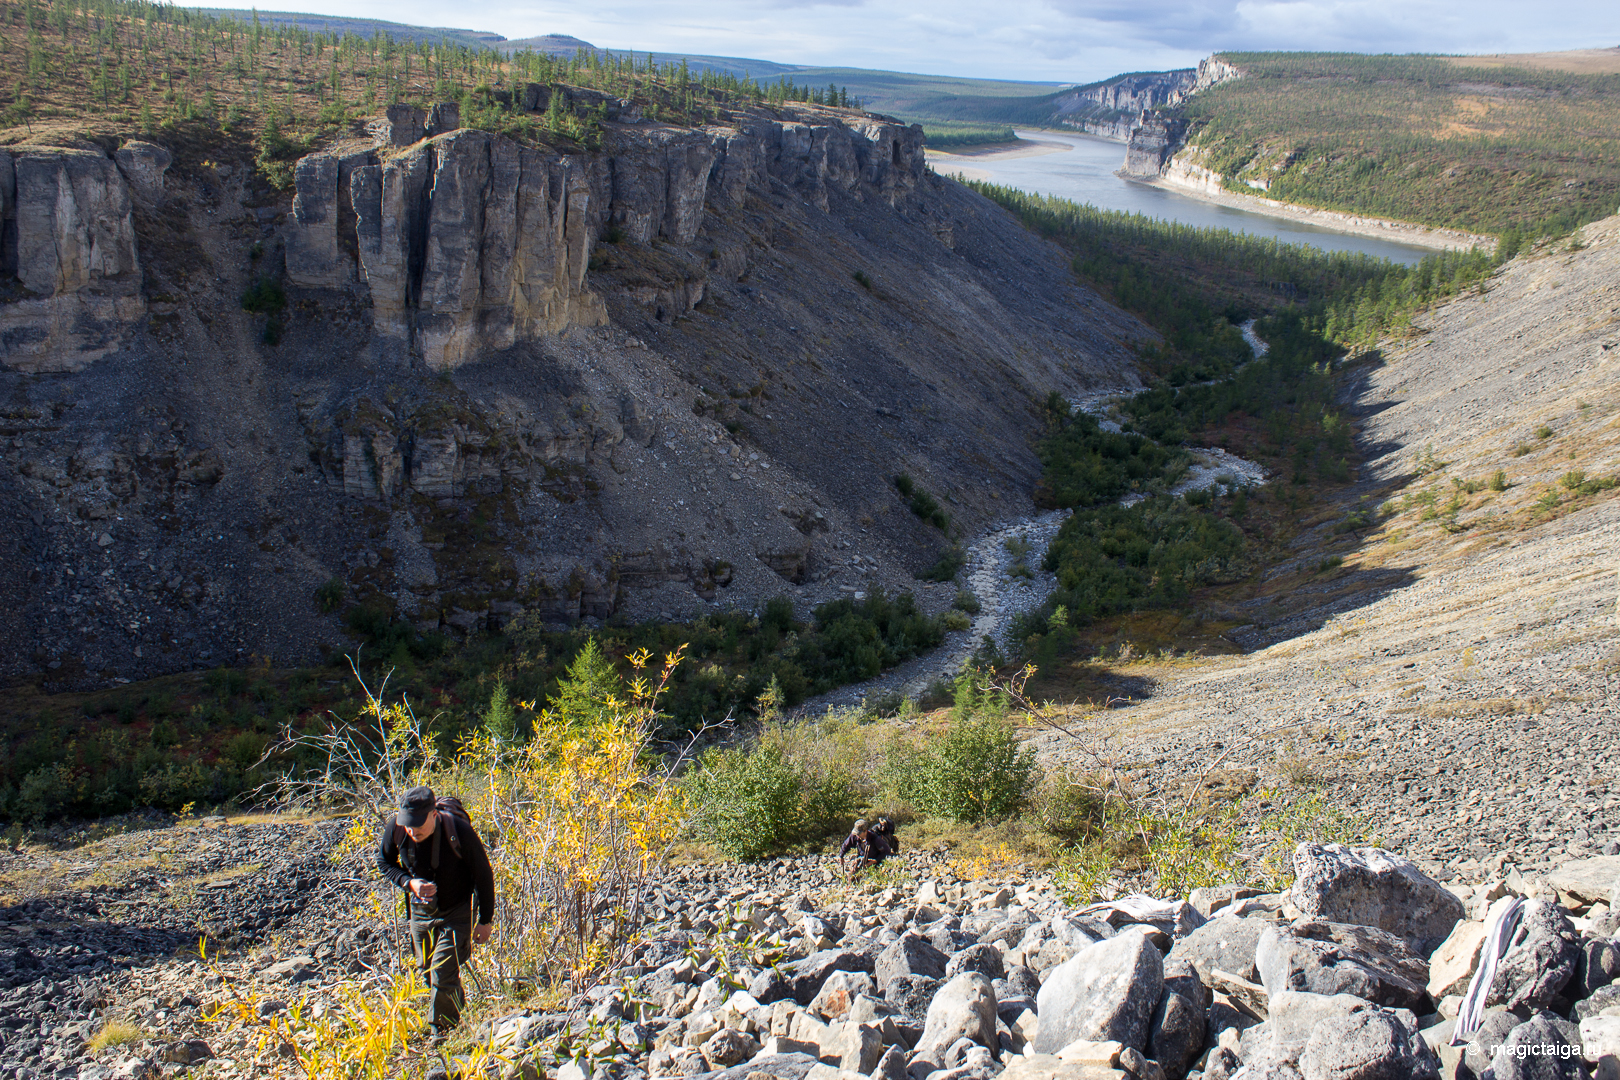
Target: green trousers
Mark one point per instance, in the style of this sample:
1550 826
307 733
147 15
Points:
443 942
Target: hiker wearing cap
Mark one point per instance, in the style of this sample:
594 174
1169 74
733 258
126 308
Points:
430 849
871 847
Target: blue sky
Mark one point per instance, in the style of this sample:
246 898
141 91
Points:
1052 40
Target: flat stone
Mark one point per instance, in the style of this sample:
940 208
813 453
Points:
1591 880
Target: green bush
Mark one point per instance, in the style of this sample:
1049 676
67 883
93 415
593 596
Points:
746 801
975 771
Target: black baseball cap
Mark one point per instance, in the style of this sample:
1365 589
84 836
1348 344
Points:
415 807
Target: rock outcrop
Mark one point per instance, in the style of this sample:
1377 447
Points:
1154 141
468 243
1111 109
74 256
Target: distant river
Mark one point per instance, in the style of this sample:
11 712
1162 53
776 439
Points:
1085 173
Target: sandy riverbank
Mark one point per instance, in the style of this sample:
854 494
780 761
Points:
956 163
1401 232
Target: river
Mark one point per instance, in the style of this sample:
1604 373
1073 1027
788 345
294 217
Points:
1084 172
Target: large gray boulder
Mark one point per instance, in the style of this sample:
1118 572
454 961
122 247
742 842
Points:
1540 960
1108 991
1227 943
1545 1047
1341 1036
1335 958
1597 967
910 995
964 1008
1045 945
912 954
1367 1044
1176 1033
985 959
1604 997
813 970
1373 887
1492 1032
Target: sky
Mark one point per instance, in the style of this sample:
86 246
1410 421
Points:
1038 40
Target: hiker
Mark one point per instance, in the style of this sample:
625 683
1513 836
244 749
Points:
430 849
870 845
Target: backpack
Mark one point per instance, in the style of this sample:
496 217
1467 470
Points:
451 814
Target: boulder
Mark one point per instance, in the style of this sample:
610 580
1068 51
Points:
1226 943
1539 962
1176 1033
1600 1037
912 955
1335 958
985 959
813 970
1588 881
1050 1067
1048 944
855 1047
963 1008
1373 887
839 992
1601 1000
1106 991
1545 1047
1367 1044
1492 1031
1453 964
770 986
910 994
780 1066
727 1047
1597 967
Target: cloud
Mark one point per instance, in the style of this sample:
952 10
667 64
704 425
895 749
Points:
1037 40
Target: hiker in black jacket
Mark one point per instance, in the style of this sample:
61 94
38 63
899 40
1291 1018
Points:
430 850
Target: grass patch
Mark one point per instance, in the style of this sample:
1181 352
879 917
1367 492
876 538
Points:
115 1033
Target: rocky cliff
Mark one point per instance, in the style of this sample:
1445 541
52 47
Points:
1111 109
673 372
67 244
1156 136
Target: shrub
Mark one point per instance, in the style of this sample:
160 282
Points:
956 620
264 297
329 595
975 771
746 801
1544 432
966 601
949 564
1499 481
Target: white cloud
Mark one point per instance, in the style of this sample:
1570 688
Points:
1051 40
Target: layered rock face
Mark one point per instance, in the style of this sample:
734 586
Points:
1110 109
1154 141
468 243
67 234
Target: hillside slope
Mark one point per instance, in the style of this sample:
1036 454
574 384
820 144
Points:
1439 656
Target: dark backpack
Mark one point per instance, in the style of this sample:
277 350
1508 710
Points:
451 814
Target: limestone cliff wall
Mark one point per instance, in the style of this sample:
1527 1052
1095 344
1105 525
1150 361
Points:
1154 142
69 241
467 243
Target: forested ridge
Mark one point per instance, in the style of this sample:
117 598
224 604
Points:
1496 150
